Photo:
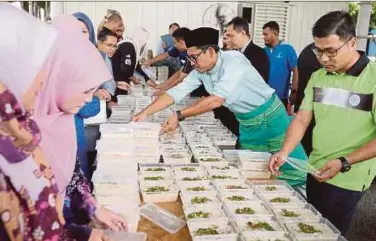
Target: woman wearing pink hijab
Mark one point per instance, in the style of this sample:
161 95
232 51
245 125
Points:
72 73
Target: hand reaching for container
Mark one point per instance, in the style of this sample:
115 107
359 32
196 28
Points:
123 85
110 219
171 124
276 161
140 117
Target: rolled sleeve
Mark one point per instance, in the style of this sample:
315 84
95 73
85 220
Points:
229 84
190 83
307 103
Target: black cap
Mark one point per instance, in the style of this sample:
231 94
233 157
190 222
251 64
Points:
201 37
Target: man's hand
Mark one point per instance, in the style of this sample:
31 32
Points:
140 117
330 170
171 124
159 93
147 63
292 98
276 161
135 80
151 83
111 104
123 85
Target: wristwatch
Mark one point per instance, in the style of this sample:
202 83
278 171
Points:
180 116
346 166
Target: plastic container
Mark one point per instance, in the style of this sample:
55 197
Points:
213 169
155 168
196 187
302 165
322 230
147 159
294 215
265 174
204 211
191 176
284 200
254 160
238 196
225 230
177 158
224 175
163 218
146 129
232 185
266 237
161 176
189 168
258 226
270 187
199 198
169 195
115 189
249 208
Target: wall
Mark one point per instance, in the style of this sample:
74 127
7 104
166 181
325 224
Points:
303 16
154 16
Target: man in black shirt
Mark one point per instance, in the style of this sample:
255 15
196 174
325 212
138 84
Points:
239 37
307 64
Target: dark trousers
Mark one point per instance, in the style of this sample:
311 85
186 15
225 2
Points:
336 204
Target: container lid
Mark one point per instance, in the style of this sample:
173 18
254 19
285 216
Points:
163 218
302 165
125 236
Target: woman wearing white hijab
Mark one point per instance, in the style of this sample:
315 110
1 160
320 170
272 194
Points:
126 59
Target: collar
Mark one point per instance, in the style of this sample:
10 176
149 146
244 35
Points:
358 67
218 64
245 46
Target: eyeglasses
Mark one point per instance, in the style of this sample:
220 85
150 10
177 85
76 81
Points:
330 53
194 57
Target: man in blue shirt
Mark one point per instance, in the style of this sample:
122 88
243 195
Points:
233 82
283 61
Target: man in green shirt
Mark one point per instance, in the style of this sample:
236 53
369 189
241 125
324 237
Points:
342 97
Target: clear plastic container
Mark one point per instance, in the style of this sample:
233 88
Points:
163 218
147 159
125 236
146 129
272 186
222 230
199 198
266 237
160 176
284 200
227 174
249 208
294 215
265 174
254 160
322 230
193 167
204 211
163 192
155 168
258 226
177 158
238 196
196 187
115 189
232 185
191 176
302 165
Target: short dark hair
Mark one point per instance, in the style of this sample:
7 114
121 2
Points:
337 22
273 25
102 35
173 24
181 33
240 24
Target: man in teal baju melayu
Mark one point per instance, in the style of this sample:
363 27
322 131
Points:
233 82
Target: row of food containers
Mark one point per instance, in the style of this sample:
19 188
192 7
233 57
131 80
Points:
219 205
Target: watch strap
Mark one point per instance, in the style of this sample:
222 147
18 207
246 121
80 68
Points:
180 116
346 166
